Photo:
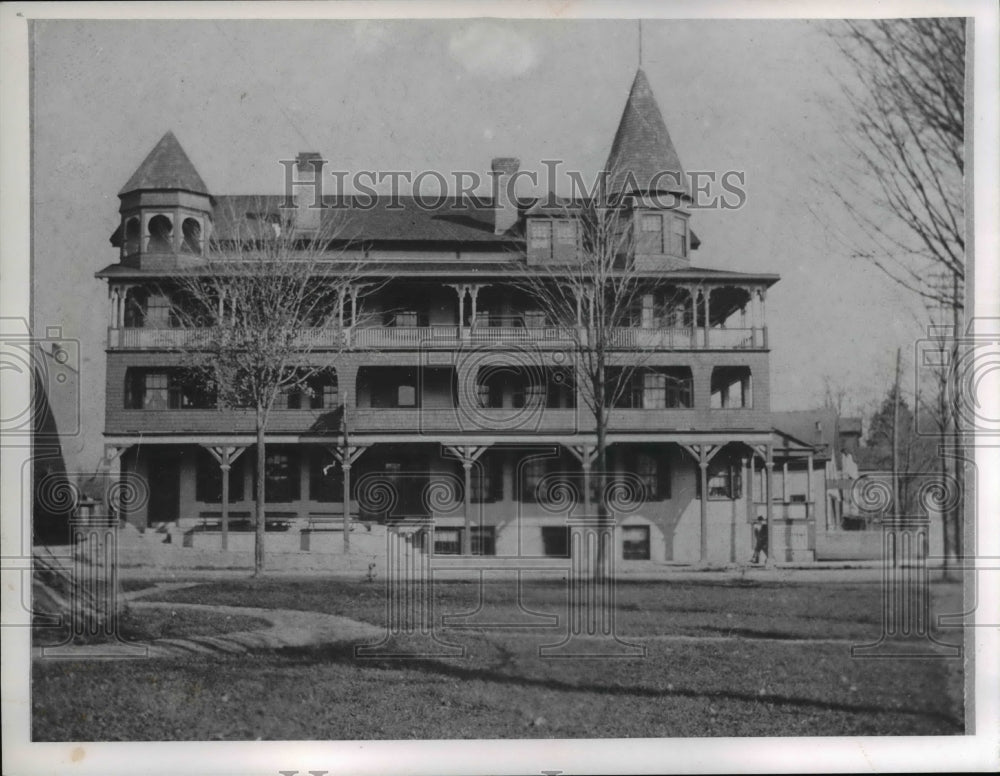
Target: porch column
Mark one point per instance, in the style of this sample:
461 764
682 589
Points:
763 317
585 454
340 317
474 294
468 455
809 482
346 455
708 314
693 293
111 493
225 456
703 455
769 504
784 481
354 305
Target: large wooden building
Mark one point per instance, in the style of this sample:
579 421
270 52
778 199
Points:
449 367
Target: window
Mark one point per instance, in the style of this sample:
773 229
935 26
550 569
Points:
325 393
166 389
555 541
725 480
320 392
281 476
653 469
635 542
566 232
208 479
484 540
447 541
654 391
663 388
678 236
406 318
328 486
540 237
651 237
532 471
487 479
406 396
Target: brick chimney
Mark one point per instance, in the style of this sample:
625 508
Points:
504 205
309 188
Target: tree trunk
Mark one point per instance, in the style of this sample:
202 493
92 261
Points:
259 514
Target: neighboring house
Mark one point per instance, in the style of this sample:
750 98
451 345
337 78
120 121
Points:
421 393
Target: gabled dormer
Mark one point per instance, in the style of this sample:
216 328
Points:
644 171
166 210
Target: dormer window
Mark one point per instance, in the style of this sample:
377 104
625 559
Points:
540 236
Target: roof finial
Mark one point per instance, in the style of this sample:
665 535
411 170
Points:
640 42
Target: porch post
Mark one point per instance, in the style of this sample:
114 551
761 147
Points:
769 504
225 456
468 455
784 481
693 293
346 496
703 466
809 482
708 313
474 293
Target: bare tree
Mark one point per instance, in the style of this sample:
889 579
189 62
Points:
905 128
904 193
270 294
596 296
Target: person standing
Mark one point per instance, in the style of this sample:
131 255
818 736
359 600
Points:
759 539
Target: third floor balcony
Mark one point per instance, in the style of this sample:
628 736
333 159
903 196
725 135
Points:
448 316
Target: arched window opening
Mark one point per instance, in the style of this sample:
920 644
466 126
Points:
132 234
191 230
160 234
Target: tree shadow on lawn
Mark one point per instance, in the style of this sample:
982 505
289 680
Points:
344 654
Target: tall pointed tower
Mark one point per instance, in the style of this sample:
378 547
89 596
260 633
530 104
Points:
166 210
643 168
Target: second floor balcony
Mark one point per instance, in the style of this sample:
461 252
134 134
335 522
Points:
377 338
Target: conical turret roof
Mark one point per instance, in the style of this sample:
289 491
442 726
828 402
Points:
166 167
643 157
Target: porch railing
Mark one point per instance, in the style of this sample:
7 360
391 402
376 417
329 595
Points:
411 337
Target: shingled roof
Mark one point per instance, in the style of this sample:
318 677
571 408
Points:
166 167
642 151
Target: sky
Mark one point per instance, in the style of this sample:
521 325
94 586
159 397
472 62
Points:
758 97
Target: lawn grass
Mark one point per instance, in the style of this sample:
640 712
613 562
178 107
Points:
156 623
760 683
